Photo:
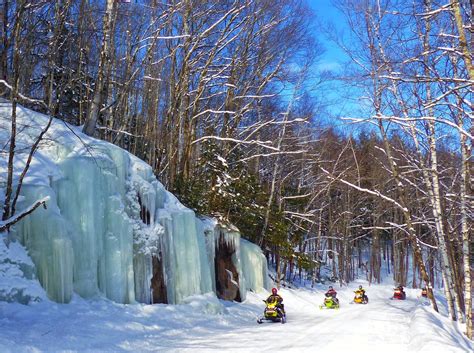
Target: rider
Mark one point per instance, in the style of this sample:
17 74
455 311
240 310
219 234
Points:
276 297
361 290
402 292
332 293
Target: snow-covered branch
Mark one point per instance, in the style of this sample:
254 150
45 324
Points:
252 142
371 192
4 225
21 96
271 154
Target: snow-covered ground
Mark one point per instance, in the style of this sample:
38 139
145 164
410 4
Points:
206 324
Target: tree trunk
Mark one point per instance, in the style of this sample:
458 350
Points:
104 64
4 57
13 97
465 209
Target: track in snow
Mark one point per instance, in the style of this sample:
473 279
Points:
381 326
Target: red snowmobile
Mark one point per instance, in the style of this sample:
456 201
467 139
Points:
399 293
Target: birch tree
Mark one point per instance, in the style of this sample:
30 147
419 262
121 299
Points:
103 68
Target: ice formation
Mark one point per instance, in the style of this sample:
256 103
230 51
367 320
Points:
109 221
254 266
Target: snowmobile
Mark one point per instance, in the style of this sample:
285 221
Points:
330 302
272 313
399 294
360 297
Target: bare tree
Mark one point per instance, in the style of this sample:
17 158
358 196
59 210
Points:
13 188
103 68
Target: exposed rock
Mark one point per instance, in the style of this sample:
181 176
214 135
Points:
158 284
227 277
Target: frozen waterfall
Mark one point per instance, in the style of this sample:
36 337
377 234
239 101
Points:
112 229
254 266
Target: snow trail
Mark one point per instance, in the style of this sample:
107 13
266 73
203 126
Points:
209 325
383 325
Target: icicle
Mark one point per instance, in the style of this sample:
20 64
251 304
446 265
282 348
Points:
254 266
182 254
207 277
46 236
143 270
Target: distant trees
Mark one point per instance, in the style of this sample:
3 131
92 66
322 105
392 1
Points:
416 64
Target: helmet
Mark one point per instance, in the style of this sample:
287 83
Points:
360 287
274 291
330 287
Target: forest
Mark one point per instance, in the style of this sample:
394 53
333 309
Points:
224 100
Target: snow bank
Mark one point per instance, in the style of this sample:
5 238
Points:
18 282
429 331
205 303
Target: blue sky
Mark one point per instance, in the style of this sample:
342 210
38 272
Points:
326 13
340 101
